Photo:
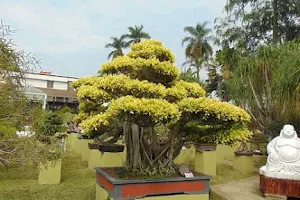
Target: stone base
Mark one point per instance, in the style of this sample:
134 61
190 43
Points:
225 153
101 194
71 140
186 156
50 173
279 187
263 171
244 164
205 162
275 197
97 158
84 149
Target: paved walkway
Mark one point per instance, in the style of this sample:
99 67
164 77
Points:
246 189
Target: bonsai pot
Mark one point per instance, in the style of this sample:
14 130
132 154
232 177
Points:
206 147
83 137
112 148
243 153
93 146
258 152
132 188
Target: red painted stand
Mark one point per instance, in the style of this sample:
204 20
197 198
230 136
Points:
290 188
131 189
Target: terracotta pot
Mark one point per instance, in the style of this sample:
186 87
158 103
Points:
112 148
206 147
139 188
93 146
243 153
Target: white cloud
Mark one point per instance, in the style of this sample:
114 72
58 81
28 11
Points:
48 29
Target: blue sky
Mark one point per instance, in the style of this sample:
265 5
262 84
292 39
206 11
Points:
69 35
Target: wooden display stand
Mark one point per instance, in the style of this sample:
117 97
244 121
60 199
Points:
279 188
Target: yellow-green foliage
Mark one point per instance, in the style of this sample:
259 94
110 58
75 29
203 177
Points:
143 88
207 108
161 72
85 81
142 111
231 136
151 49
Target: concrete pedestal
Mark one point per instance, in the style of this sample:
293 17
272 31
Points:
71 141
50 173
244 164
225 153
186 156
101 194
84 149
206 162
97 158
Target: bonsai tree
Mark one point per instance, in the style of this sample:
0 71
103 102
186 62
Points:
141 91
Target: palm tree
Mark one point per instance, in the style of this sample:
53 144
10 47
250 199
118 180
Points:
198 49
136 34
118 44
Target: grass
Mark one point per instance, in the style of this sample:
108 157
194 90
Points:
78 182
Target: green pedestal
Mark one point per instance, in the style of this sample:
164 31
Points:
186 156
50 173
101 194
244 164
105 159
84 149
225 153
206 162
71 141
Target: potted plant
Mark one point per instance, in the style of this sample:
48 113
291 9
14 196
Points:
143 90
47 125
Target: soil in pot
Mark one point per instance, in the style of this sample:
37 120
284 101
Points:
121 173
112 148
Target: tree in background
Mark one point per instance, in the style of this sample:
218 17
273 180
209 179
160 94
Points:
15 110
198 49
136 34
249 75
118 44
144 91
267 84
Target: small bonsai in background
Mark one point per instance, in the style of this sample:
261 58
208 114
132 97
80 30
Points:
46 124
143 91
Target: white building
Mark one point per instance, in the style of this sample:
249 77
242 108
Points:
54 90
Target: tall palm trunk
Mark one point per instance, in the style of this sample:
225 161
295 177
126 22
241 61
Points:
275 23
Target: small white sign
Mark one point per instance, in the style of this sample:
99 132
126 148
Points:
188 174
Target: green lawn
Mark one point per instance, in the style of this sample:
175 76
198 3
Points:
77 182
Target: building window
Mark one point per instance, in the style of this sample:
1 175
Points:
70 85
50 84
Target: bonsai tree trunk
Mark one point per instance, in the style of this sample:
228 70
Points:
145 154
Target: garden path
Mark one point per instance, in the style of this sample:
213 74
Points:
246 189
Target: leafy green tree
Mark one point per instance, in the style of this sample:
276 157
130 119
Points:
118 44
136 34
144 91
266 84
198 49
260 21
15 109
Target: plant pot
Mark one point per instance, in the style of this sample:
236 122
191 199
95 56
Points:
93 146
188 188
84 137
206 147
258 153
243 153
112 148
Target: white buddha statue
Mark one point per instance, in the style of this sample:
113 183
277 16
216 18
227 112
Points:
283 155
